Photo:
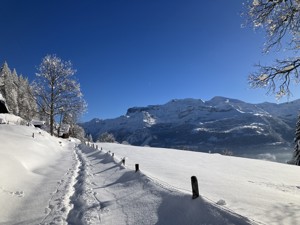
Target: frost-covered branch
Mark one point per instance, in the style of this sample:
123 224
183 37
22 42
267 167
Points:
280 18
277 78
281 21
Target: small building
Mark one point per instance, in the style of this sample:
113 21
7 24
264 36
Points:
38 123
3 107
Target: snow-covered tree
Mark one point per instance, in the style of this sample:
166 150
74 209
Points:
26 102
90 138
9 88
281 21
56 90
107 137
77 132
296 156
4 72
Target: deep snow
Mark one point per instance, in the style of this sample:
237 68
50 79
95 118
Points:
46 180
266 192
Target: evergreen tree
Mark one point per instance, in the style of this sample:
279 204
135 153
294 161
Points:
9 88
296 156
90 138
26 102
17 92
33 109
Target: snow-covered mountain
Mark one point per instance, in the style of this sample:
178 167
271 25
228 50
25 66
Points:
215 125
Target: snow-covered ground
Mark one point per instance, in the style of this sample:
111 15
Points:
46 180
36 175
266 192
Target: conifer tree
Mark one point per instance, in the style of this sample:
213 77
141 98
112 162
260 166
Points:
26 102
9 88
17 92
296 155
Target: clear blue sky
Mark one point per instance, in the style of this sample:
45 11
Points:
137 52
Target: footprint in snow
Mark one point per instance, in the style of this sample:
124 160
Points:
19 194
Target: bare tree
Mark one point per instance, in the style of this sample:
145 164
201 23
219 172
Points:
56 90
281 21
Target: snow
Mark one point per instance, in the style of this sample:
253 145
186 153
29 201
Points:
266 192
31 171
1 97
11 119
46 180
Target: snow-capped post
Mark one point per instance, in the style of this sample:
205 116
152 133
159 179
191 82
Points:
113 154
97 147
123 161
137 167
195 187
33 135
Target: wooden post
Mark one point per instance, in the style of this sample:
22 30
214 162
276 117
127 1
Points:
33 135
113 154
137 167
123 161
195 187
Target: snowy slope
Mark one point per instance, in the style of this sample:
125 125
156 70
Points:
266 192
32 170
46 180
126 197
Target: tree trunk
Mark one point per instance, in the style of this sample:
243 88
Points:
52 111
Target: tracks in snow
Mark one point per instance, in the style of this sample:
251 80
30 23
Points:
59 204
86 206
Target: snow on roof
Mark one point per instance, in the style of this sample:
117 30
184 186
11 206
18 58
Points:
38 122
1 97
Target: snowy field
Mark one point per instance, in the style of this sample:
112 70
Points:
46 180
266 192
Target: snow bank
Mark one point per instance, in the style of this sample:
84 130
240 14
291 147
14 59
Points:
11 119
267 192
31 169
109 193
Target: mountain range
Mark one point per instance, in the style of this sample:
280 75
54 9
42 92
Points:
220 124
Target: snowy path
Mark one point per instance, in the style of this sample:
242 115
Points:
108 193
46 200
36 176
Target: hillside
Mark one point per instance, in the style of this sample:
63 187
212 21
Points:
46 180
263 130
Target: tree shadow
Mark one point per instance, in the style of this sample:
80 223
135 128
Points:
124 180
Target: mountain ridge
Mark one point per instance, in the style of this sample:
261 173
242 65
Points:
215 125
